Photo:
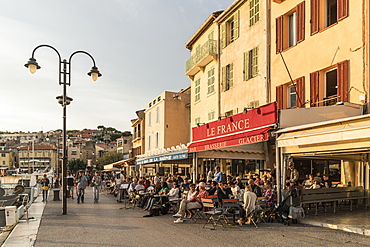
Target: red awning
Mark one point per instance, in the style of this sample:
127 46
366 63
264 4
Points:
245 137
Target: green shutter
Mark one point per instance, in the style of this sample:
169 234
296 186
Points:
255 62
223 82
236 25
223 35
246 66
231 75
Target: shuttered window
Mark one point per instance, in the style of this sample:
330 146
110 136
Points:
342 9
315 13
301 15
279 34
197 90
300 91
343 81
280 97
254 12
314 88
333 11
223 35
230 30
250 64
227 77
211 81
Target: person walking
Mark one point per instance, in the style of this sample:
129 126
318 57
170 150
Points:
81 185
97 182
45 187
70 184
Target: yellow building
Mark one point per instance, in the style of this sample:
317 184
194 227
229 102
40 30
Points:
7 159
34 157
138 139
319 78
229 77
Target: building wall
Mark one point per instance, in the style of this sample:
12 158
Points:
321 51
154 115
7 159
177 117
245 93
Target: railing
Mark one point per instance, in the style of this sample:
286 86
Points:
210 47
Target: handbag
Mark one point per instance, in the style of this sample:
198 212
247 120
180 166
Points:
45 187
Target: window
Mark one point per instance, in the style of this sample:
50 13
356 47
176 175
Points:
229 113
329 86
150 119
157 140
4 163
2 155
196 120
139 130
292 96
211 80
326 13
197 90
250 69
230 30
211 115
157 115
254 12
149 141
290 28
331 12
227 77
125 142
74 152
253 104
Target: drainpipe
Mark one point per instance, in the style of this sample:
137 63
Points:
219 70
278 180
268 52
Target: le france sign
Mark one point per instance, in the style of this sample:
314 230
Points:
243 128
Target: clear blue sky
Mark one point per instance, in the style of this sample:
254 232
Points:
138 46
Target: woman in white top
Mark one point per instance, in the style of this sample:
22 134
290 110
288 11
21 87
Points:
174 191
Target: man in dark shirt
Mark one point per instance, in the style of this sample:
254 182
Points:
326 183
255 188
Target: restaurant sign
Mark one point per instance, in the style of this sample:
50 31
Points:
243 128
178 156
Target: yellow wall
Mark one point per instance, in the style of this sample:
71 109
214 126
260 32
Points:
339 42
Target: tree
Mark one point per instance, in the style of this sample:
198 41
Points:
127 133
76 165
108 158
115 136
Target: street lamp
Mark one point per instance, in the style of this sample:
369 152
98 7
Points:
64 100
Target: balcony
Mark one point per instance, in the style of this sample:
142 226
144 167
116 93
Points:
206 54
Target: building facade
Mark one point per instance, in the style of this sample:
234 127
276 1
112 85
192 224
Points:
37 157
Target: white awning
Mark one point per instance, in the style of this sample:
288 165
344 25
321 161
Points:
338 135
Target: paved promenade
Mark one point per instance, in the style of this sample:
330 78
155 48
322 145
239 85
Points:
105 224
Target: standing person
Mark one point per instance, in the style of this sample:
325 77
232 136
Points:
218 175
293 175
81 185
97 182
209 175
45 187
70 184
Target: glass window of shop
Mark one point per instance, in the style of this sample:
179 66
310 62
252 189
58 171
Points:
318 168
243 168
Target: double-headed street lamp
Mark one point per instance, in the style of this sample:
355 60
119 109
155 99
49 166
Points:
64 100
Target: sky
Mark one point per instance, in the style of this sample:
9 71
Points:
138 46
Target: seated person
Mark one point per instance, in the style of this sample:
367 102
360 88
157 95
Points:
239 183
308 181
255 188
140 187
193 203
249 205
155 191
223 191
213 188
326 182
163 191
185 185
174 192
236 193
269 195
315 185
190 197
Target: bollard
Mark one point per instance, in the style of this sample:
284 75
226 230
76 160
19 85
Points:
56 194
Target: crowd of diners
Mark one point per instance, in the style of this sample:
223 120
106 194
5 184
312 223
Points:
188 194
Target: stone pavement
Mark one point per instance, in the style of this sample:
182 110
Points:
105 224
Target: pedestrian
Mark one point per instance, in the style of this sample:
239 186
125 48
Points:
293 175
97 182
218 175
70 184
45 187
81 185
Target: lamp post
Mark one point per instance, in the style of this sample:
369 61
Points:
64 100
